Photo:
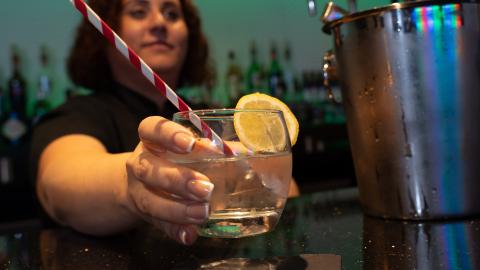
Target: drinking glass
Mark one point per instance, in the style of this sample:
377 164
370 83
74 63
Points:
251 187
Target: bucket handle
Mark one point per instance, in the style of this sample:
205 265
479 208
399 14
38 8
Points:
329 73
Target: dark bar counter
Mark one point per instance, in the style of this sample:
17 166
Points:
316 231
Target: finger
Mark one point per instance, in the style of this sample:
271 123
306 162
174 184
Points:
183 234
152 206
162 175
158 132
205 148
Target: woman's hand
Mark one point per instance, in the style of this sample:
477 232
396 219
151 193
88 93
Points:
167 195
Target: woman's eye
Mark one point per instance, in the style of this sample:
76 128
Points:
171 14
137 13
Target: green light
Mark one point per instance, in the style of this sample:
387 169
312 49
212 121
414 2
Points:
418 16
227 229
438 17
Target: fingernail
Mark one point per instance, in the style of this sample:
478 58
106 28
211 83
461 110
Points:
184 142
197 212
200 189
183 236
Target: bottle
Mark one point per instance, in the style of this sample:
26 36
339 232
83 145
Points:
15 127
289 75
275 74
6 176
6 170
233 79
321 103
308 86
3 101
44 87
17 85
308 98
254 74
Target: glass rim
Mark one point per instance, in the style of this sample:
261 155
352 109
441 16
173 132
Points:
215 113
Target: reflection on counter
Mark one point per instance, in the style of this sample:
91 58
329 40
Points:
420 245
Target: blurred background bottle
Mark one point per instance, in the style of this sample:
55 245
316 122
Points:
17 85
16 125
290 76
44 86
255 74
5 160
233 79
276 83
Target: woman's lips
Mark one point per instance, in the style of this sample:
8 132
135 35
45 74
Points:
158 45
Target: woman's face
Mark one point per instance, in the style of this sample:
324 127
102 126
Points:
157 32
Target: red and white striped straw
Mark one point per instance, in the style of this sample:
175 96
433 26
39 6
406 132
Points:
141 66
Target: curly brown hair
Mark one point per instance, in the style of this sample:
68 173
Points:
88 65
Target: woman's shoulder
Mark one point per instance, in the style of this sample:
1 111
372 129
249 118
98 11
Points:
90 102
94 110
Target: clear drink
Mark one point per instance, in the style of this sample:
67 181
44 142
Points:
251 186
249 195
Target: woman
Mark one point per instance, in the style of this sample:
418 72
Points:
92 172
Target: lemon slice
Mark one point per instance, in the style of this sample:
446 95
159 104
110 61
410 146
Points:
252 128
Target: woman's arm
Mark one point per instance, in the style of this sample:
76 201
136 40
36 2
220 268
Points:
81 185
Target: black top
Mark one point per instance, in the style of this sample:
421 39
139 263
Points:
110 116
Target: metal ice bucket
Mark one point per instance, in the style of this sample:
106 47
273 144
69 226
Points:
410 77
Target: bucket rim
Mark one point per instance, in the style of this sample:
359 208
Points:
328 26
